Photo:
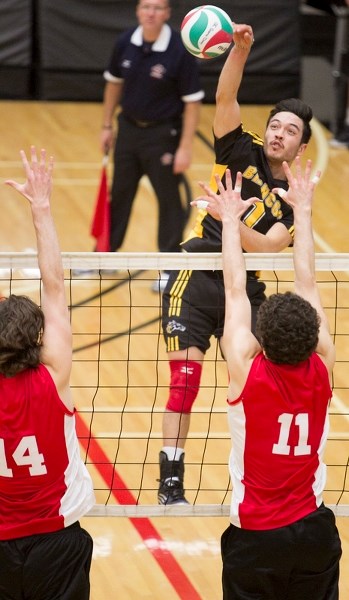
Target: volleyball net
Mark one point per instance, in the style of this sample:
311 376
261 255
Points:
120 376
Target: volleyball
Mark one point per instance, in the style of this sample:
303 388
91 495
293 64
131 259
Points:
207 31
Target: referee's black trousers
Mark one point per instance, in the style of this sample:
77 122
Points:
147 151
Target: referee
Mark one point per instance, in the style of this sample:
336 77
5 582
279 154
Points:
155 82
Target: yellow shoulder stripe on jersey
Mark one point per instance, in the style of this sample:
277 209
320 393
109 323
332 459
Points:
219 170
256 139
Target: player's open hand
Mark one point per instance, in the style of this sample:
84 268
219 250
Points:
38 185
301 185
228 203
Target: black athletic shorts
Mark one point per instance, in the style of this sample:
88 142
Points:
296 562
193 307
47 566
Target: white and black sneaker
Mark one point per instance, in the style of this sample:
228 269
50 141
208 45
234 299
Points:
171 489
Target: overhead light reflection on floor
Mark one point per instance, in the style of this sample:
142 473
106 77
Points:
102 546
189 548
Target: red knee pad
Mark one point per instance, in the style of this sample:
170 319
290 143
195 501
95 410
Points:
184 385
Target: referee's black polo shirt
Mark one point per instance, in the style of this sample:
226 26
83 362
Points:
157 79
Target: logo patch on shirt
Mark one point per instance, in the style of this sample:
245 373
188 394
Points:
158 71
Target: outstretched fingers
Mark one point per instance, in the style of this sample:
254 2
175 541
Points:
208 191
307 170
228 189
238 183
38 172
25 163
289 176
50 165
227 201
43 158
207 202
46 165
301 184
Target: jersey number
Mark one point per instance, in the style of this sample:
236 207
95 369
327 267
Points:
26 453
302 422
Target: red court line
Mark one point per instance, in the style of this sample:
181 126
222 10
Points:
145 528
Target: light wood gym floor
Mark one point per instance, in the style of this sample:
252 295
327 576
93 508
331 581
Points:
162 558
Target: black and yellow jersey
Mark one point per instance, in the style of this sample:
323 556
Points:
241 150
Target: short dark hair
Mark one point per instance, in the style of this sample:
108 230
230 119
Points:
299 108
21 325
287 328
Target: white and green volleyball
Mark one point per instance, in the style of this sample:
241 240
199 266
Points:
207 31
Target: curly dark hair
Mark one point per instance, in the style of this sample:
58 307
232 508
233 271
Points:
21 326
287 328
299 108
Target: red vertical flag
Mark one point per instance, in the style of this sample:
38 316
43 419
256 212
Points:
100 226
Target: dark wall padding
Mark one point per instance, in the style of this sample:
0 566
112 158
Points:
77 37
15 48
72 41
77 34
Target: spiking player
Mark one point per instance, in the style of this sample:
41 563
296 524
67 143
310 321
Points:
193 302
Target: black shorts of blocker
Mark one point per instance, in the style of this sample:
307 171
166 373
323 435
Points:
48 566
296 562
193 307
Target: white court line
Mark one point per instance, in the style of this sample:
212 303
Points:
324 246
321 162
322 154
339 405
76 182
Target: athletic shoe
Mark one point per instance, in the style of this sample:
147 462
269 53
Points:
171 480
342 138
159 284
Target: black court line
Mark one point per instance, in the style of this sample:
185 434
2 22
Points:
205 140
121 333
119 283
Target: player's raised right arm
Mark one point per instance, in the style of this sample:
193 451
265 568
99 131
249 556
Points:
227 115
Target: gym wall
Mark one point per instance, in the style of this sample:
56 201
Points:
58 49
